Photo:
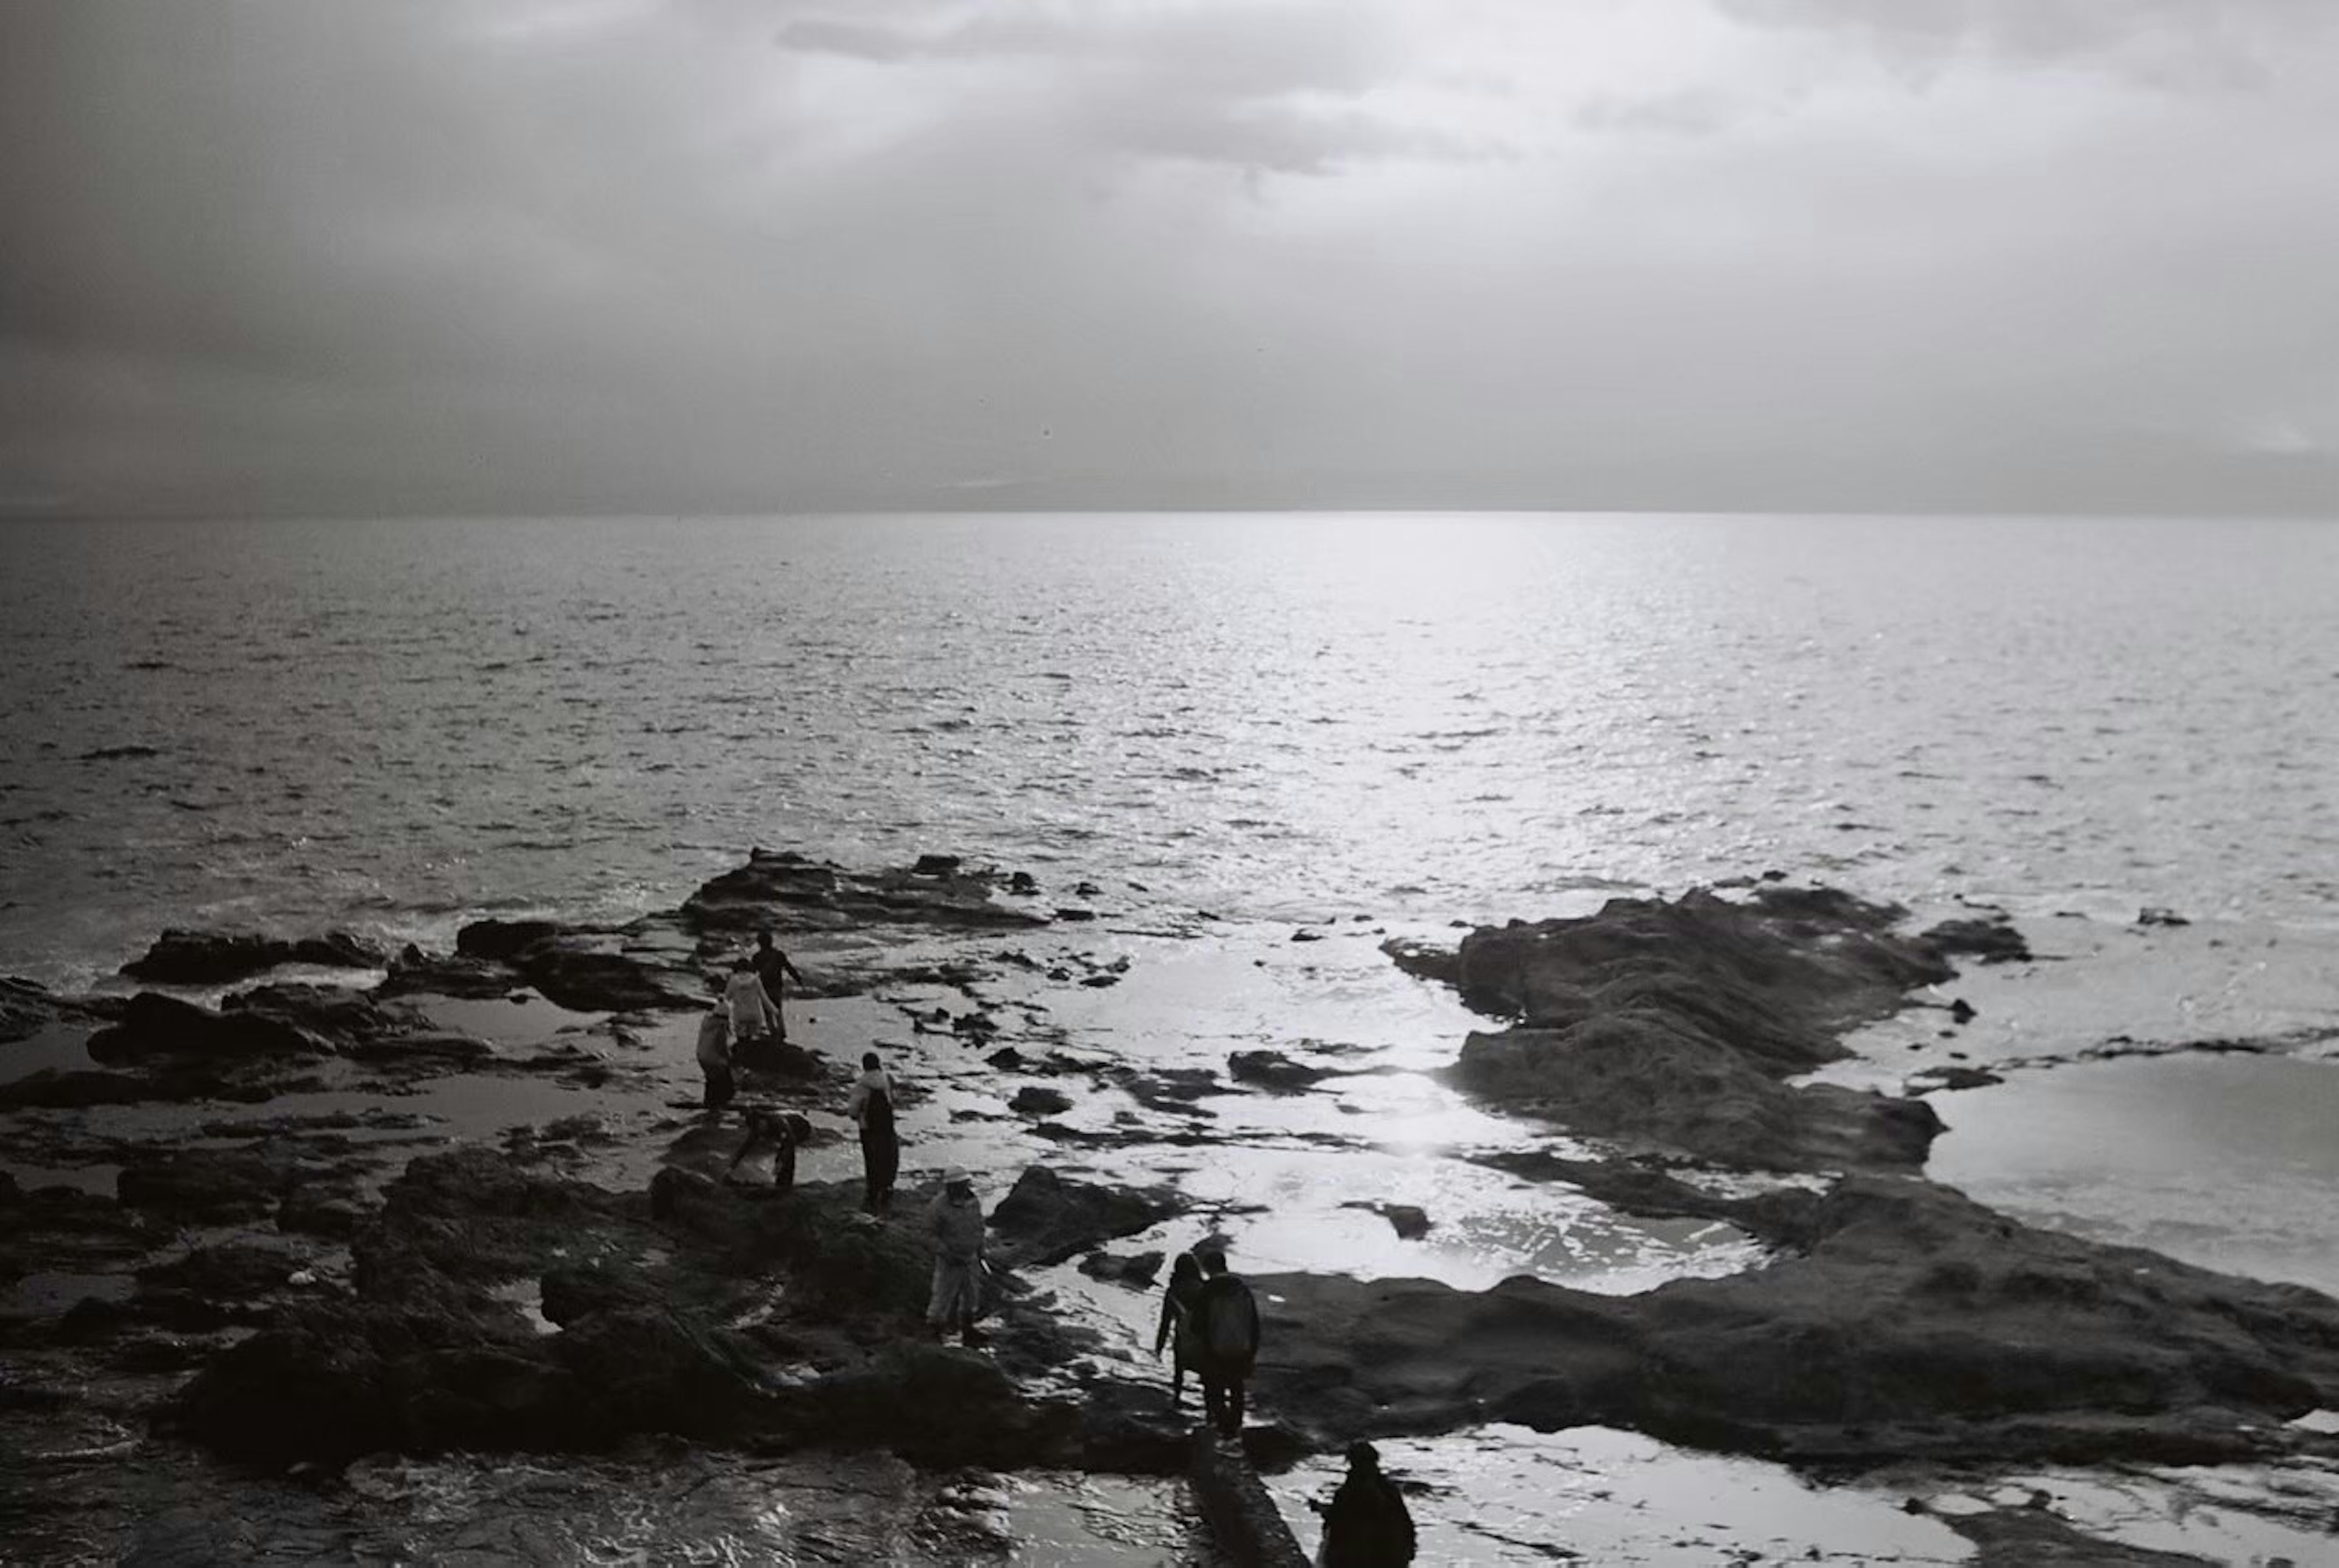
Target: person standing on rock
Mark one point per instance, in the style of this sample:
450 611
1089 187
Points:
955 1224
1367 1524
1177 1329
715 1057
752 1016
773 968
1226 1334
871 1106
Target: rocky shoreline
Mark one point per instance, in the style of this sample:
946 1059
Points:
340 1278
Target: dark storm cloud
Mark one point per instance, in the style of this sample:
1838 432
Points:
607 254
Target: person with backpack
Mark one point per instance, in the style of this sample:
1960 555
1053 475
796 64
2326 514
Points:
1226 1331
1367 1524
1177 1328
871 1106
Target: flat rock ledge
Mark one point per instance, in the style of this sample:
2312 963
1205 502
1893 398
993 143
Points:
1902 1321
1674 1023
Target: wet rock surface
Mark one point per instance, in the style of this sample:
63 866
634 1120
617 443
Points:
213 958
1901 1321
1675 1023
273 1299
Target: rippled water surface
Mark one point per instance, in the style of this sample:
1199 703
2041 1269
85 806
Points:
394 724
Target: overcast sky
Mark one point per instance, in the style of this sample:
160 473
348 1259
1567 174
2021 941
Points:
626 256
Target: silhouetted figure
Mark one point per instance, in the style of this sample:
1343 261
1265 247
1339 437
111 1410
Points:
773 968
752 1016
1226 1342
871 1105
1367 1524
715 1057
1177 1329
955 1224
781 1134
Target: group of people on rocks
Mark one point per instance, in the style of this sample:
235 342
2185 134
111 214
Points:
747 1010
1210 1321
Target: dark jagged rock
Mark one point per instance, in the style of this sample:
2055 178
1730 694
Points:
1409 1222
1632 1187
502 941
1649 1075
1033 1100
2035 1538
204 1184
62 1229
1049 1218
1137 1269
1273 1069
779 1058
1801 963
154 1025
76 1089
968 1410
329 1012
1909 1323
26 1008
1243 1518
215 958
1674 1022
654 1370
587 973
235 1269
785 889
414 972
1953 1078
1991 941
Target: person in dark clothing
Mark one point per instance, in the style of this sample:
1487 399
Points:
781 1135
1367 1524
871 1105
1226 1334
1177 1329
773 968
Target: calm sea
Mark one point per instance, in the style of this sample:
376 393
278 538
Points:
394 726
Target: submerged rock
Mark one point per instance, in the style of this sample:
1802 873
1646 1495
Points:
1991 941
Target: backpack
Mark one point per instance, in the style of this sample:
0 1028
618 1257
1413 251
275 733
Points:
1229 1322
877 1114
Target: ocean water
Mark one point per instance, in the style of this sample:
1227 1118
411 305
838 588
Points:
393 725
